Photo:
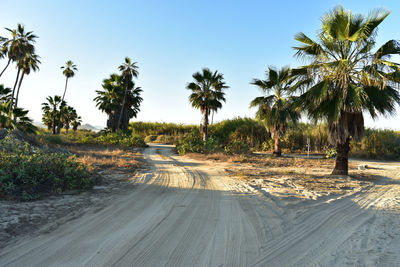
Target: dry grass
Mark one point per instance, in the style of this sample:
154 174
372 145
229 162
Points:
106 157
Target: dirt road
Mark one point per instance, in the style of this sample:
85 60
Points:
189 213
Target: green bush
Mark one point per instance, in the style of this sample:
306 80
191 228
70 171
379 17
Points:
157 128
384 144
331 153
53 139
28 172
191 142
125 139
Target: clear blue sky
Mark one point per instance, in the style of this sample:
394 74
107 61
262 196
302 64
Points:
170 40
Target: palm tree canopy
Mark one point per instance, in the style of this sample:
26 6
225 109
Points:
110 98
345 76
20 43
30 62
276 108
129 69
207 90
69 69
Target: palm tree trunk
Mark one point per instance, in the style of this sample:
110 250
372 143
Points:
65 89
13 91
122 109
277 147
342 158
205 126
19 87
62 99
212 117
54 125
8 63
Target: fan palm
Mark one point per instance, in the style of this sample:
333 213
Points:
347 76
108 100
17 48
29 63
51 111
69 71
18 118
129 70
69 114
75 123
276 110
207 94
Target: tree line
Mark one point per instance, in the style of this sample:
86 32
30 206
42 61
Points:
345 77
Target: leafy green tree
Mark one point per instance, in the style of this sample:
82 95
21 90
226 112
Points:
109 100
207 94
129 70
347 76
276 110
29 63
51 112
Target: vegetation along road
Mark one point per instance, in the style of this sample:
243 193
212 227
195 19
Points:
185 212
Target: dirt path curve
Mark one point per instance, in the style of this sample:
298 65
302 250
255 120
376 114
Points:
188 213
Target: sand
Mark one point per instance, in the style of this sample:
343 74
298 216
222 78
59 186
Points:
187 212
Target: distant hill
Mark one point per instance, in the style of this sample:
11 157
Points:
85 126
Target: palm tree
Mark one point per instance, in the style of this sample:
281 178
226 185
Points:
51 111
69 71
18 118
29 62
17 48
129 70
76 123
276 110
69 115
108 100
347 76
207 94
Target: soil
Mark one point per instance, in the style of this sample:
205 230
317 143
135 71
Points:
216 210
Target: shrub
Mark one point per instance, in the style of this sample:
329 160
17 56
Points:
383 144
28 172
331 153
125 139
191 142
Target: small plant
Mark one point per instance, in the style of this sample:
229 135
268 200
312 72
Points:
331 153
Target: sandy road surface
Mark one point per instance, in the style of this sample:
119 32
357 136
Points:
188 213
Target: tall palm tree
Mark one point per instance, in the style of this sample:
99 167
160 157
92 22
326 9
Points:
207 94
129 70
17 48
29 63
348 77
109 101
51 111
69 71
276 110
